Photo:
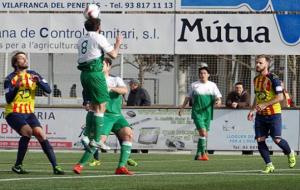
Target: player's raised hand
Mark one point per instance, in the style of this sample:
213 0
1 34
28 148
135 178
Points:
18 82
119 39
35 78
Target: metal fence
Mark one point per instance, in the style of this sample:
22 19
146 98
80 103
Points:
159 74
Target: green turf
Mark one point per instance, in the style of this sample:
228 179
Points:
155 171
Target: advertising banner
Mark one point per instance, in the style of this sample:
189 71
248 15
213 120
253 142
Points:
231 130
237 5
156 129
59 33
77 5
246 34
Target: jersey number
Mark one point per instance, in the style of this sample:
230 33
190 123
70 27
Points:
84 46
24 93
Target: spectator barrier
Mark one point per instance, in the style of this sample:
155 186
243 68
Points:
157 129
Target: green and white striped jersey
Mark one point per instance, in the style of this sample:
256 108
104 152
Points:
203 97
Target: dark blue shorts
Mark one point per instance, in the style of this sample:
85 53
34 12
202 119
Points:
268 125
18 120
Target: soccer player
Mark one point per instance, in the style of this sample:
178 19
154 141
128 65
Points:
204 95
268 94
91 50
85 142
20 87
114 121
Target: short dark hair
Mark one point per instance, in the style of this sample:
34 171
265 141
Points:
92 24
238 83
267 57
203 68
14 58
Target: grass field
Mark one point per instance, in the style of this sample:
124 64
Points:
155 171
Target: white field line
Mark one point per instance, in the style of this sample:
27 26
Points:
146 161
238 172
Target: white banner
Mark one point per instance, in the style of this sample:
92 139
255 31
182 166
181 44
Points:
79 5
59 33
231 130
152 33
245 34
156 129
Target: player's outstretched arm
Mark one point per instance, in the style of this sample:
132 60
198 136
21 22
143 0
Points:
114 53
120 90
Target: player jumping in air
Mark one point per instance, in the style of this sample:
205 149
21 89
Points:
114 121
91 50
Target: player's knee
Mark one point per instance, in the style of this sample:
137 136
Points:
276 140
26 131
260 139
27 134
39 134
130 135
202 133
126 134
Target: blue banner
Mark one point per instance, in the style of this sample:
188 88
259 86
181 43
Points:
288 23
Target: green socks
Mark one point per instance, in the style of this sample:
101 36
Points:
125 153
98 123
88 123
86 157
201 148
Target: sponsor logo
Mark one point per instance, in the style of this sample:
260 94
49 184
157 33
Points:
286 16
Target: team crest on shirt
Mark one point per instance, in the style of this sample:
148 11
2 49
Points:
261 95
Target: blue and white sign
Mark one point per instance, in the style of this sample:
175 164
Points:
246 34
285 16
252 5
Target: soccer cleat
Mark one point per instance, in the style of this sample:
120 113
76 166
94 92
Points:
292 159
19 169
268 169
132 162
57 170
77 168
100 145
123 171
95 163
202 157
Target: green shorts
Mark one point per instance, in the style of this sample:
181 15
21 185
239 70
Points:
95 87
113 123
202 123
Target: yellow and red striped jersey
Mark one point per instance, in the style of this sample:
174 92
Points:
21 99
266 87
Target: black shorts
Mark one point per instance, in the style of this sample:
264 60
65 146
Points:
18 120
